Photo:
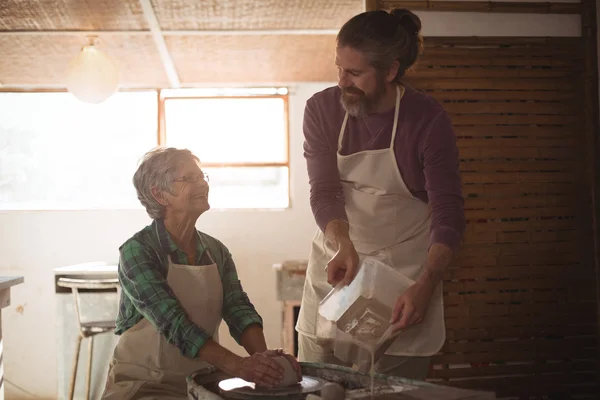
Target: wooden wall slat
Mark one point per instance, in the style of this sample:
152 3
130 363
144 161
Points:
512 108
527 259
515 177
491 50
518 344
513 189
517 153
491 237
518 249
519 202
484 6
487 60
456 299
495 73
548 271
520 295
518 43
499 84
487 322
586 365
566 385
518 166
483 120
516 132
515 95
523 331
554 353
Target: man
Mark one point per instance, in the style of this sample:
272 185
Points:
383 167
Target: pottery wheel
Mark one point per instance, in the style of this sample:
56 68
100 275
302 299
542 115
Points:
236 388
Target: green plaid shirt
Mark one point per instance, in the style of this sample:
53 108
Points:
142 271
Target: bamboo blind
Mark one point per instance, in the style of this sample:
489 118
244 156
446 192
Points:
520 297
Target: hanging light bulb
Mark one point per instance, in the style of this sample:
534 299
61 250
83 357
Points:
92 75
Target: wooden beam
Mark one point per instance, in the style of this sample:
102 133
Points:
483 6
224 32
161 46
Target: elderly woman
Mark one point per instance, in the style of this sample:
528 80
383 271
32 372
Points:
177 285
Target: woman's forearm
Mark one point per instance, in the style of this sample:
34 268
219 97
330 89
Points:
217 355
253 339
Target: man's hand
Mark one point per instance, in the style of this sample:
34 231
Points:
344 264
411 306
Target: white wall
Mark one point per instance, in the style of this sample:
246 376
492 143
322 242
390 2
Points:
34 243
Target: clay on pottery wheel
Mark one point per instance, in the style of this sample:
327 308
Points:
333 391
290 376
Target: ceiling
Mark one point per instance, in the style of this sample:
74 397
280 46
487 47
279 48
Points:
174 43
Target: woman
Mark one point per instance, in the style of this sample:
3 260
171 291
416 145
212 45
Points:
177 285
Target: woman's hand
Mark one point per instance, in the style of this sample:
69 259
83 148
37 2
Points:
261 369
280 353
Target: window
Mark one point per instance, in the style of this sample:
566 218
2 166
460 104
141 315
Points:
59 153
242 143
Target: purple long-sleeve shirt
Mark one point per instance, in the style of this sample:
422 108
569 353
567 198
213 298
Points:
425 149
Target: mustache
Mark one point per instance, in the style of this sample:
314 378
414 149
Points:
352 90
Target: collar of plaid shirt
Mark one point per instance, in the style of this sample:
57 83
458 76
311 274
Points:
168 246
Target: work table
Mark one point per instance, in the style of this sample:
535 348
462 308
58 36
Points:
6 282
90 270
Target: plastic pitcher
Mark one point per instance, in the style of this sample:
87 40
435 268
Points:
356 317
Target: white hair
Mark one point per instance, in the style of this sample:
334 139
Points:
157 169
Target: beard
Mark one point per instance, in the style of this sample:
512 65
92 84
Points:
358 103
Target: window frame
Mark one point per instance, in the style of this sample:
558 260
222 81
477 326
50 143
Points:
161 129
162 137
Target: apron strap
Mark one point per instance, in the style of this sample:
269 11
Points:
208 253
399 95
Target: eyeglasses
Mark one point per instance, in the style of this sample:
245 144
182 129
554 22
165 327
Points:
192 178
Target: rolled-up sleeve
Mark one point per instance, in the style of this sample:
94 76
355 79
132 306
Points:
326 193
443 183
144 284
238 312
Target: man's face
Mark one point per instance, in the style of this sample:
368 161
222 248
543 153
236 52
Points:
362 85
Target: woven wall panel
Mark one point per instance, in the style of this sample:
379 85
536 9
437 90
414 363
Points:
243 59
35 15
41 60
254 14
520 296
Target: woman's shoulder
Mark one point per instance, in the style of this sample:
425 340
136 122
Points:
140 241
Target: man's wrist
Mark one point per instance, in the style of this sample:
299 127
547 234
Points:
428 281
337 232
343 242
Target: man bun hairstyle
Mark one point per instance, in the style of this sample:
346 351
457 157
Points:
384 38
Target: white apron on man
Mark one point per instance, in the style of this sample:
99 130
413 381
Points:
144 365
386 222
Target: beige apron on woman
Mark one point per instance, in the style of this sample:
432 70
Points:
144 365
388 223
